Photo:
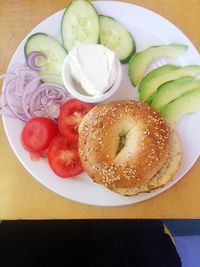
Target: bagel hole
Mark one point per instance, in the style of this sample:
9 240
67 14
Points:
121 144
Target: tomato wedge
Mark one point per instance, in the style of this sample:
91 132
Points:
63 157
71 114
38 133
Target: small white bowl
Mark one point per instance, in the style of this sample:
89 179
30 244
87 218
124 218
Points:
72 86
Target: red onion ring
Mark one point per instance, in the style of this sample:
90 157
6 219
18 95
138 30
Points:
24 95
33 58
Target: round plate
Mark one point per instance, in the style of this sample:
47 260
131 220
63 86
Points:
148 29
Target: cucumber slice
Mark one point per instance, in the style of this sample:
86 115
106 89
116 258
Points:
116 37
53 50
80 24
141 60
150 83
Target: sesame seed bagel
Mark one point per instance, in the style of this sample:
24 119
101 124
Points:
123 144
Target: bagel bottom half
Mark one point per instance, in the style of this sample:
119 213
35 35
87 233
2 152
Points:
165 174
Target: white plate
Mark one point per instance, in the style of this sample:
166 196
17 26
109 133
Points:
148 28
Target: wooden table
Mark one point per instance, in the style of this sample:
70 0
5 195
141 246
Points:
21 196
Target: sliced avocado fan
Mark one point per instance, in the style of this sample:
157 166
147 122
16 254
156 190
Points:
150 83
171 90
141 60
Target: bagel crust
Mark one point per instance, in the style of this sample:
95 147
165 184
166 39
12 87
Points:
123 144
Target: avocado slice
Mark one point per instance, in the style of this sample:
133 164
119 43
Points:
141 60
171 90
188 102
150 83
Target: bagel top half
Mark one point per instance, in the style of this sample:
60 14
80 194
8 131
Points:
123 144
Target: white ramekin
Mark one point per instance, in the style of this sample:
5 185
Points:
70 85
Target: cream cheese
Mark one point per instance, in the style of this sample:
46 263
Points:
94 67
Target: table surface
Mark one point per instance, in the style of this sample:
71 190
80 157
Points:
21 196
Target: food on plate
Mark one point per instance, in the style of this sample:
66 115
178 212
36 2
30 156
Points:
54 55
171 90
71 114
117 38
124 144
80 24
94 68
38 133
63 157
141 60
188 102
150 83
24 96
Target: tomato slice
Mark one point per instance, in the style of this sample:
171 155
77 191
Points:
71 114
38 133
63 157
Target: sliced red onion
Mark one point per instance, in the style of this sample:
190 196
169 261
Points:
52 109
30 97
24 95
33 59
13 106
12 92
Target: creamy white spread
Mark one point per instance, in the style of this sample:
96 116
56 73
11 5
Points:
94 67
